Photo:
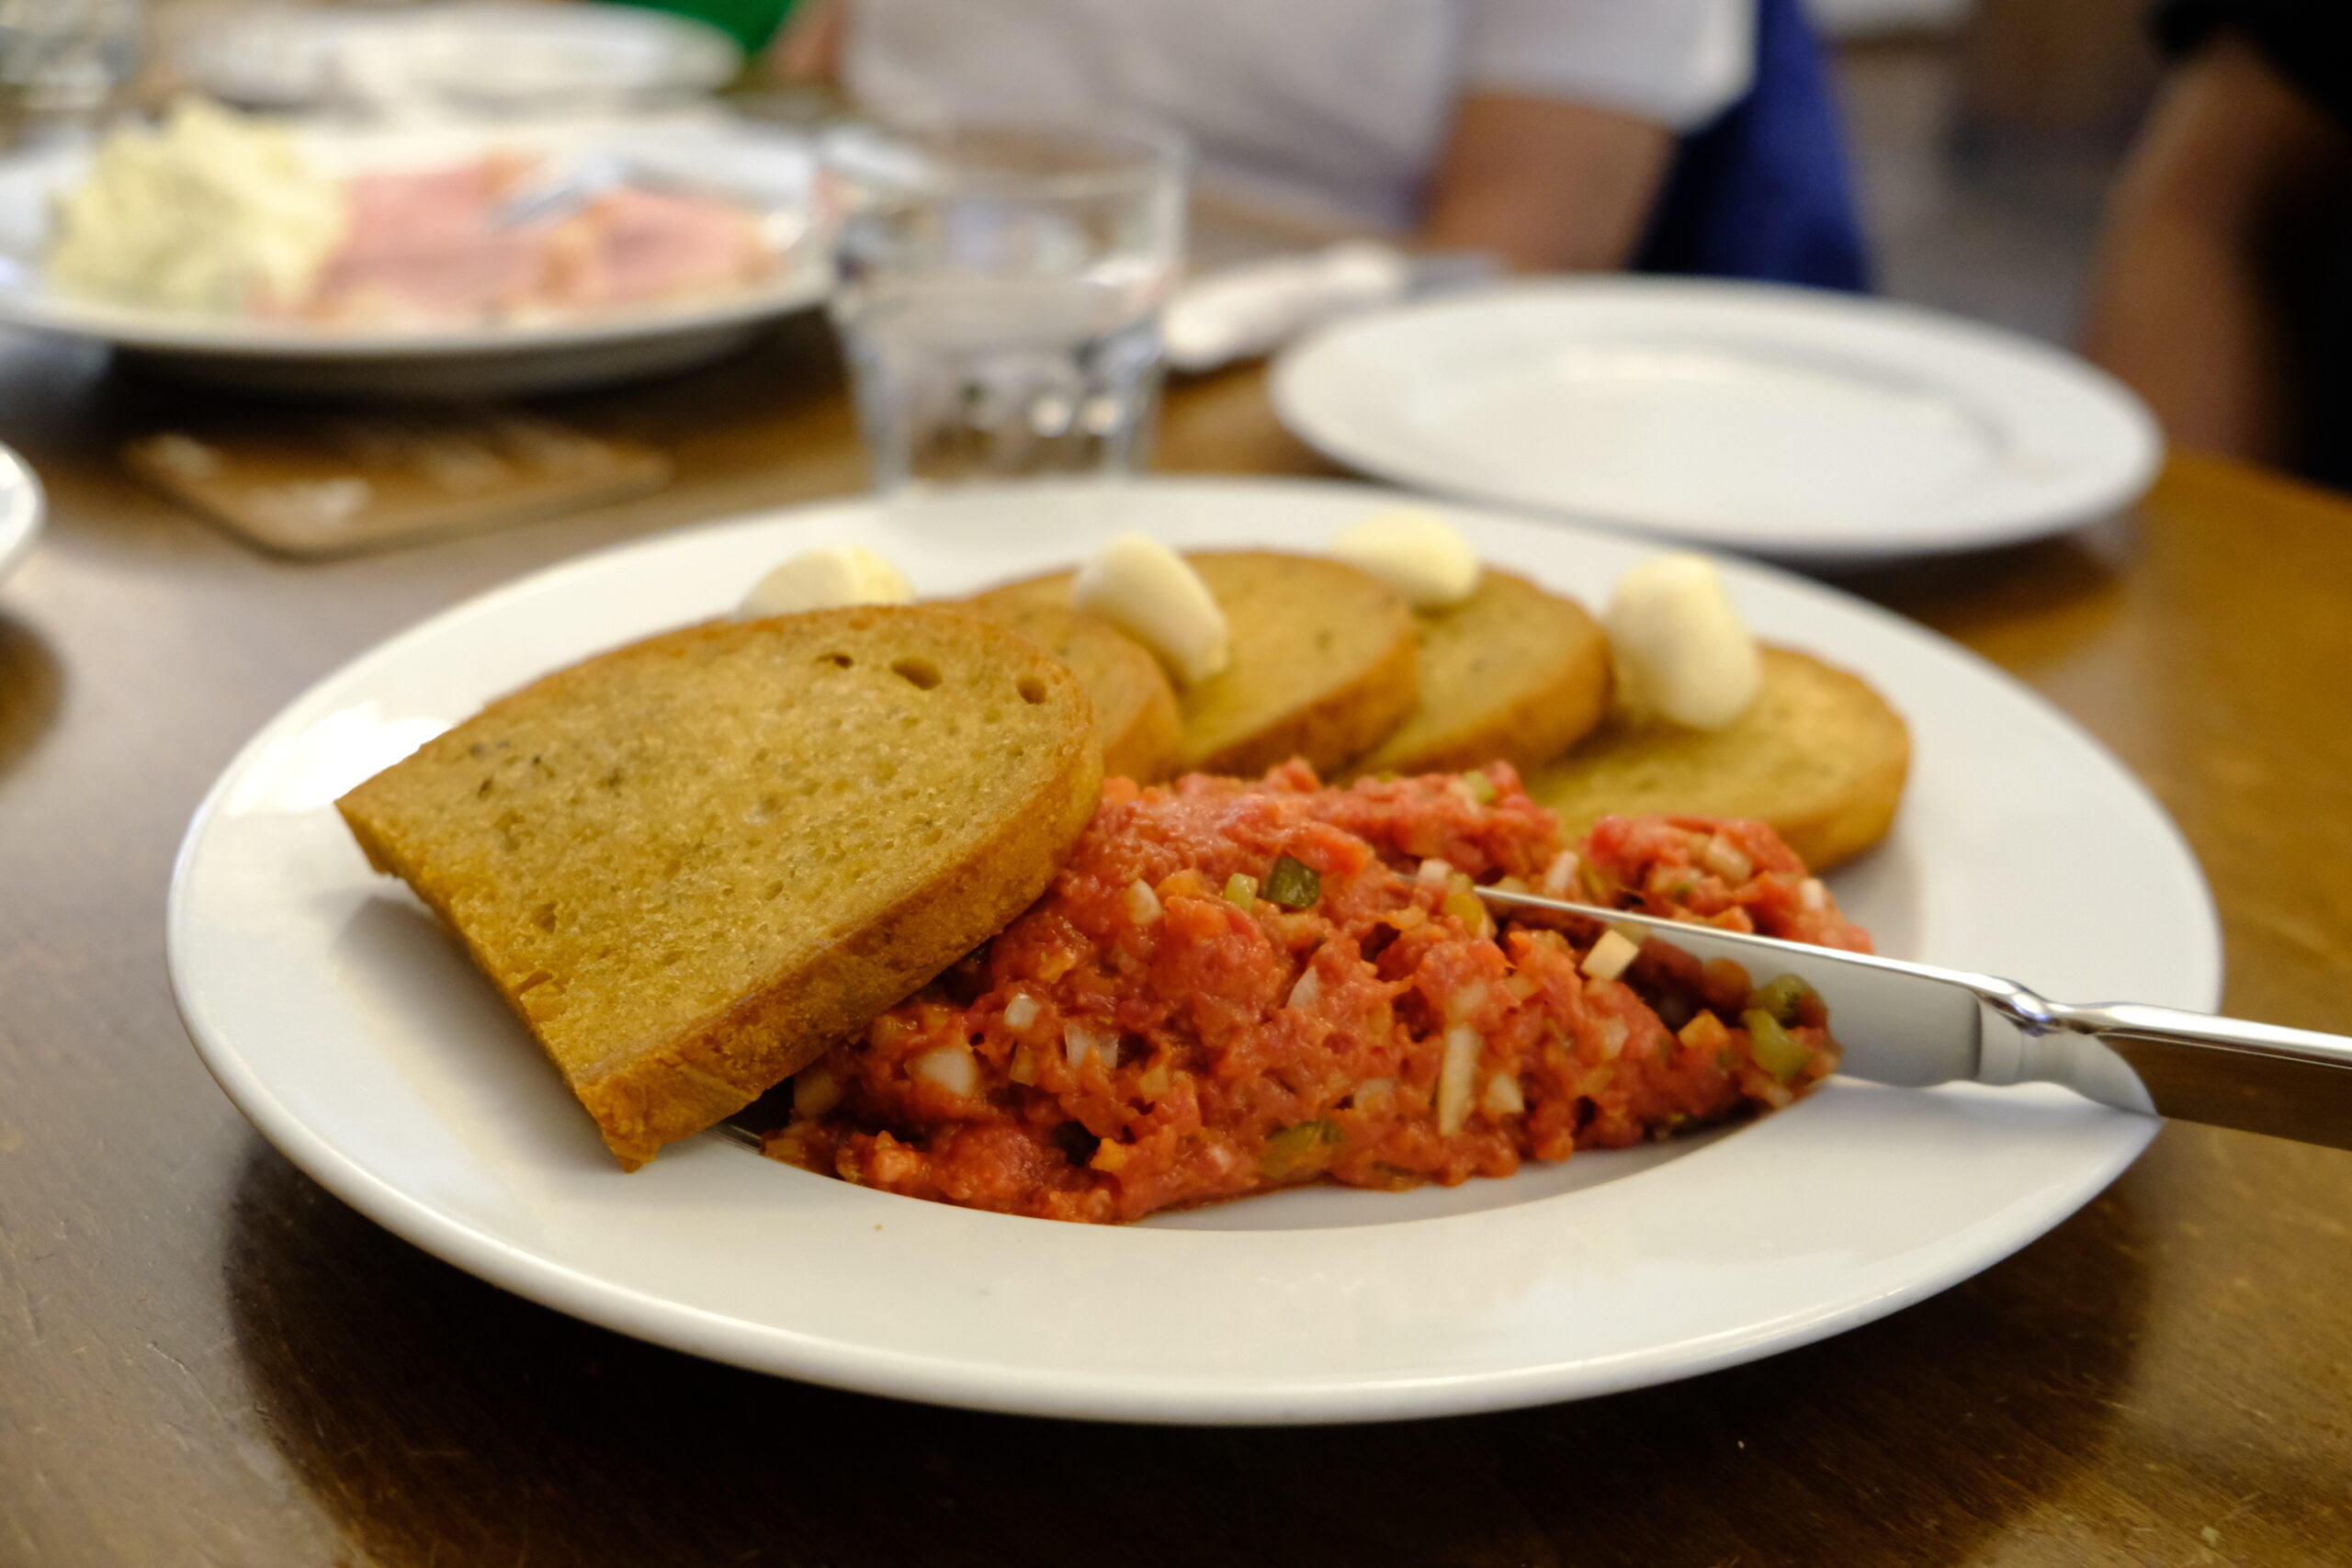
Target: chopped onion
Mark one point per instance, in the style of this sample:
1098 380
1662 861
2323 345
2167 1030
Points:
1433 872
1080 1042
1724 858
1466 1001
1021 1011
1502 1097
1308 991
1612 1033
1609 956
1156 1081
1142 904
1561 875
1461 1065
1811 894
951 1067
815 1092
1372 1091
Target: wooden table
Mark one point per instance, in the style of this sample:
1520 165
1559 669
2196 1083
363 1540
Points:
206 1360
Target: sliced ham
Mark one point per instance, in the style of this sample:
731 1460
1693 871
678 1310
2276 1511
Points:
427 248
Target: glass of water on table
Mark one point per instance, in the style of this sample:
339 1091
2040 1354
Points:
998 295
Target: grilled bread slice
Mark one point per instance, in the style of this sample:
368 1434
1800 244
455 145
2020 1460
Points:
693 864
1323 662
1134 707
1511 673
1819 755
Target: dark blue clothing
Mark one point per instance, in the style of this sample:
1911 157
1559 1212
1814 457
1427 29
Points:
1763 192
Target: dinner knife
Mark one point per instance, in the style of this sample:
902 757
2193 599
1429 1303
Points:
1914 1025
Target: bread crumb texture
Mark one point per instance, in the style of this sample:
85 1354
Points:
694 862
1511 672
1134 707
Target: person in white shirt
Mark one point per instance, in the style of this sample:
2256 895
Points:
1541 130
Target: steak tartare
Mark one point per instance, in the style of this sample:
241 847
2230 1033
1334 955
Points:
1236 985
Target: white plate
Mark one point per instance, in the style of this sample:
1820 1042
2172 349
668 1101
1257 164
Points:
361 1044
22 506
489 57
1778 422
772 165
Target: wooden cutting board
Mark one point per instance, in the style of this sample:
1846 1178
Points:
341 482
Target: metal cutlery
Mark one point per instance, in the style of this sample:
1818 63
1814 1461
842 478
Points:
1916 1025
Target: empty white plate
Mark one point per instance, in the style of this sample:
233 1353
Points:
1778 422
362 1043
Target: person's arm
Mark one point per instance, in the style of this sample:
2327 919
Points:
1548 186
2190 300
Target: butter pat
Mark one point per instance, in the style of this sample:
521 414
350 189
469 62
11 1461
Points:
832 578
1150 592
1417 553
1680 648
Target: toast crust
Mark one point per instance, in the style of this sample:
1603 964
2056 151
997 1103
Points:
1135 706
1515 674
1819 755
989 779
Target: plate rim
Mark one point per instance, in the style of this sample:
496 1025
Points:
1295 407
1080 1394
24 511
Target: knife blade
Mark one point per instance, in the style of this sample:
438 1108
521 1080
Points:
1916 1025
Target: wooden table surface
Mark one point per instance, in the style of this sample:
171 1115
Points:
203 1358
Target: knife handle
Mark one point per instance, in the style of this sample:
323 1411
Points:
2259 1077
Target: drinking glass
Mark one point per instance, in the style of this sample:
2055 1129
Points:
998 295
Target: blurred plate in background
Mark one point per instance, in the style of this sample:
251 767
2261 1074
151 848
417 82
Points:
770 167
1778 422
481 58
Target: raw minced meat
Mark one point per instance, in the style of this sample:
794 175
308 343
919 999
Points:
1237 986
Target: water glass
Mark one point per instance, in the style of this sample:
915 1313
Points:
998 295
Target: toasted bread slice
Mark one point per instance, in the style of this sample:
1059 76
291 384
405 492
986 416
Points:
693 864
1513 673
1134 707
1323 663
1819 755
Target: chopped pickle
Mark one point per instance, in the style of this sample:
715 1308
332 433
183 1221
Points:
1292 884
1471 910
1776 1051
1242 892
1482 788
1783 996
1301 1149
